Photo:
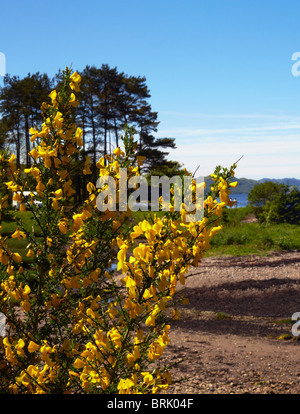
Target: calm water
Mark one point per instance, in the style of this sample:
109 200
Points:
241 199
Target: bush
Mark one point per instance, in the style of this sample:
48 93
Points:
73 325
276 203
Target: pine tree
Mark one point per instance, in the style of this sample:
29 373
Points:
20 101
109 100
88 112
11 111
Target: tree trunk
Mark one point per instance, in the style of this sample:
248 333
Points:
105 138
18 147
27 142
116 133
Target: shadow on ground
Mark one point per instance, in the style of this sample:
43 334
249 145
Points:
245 308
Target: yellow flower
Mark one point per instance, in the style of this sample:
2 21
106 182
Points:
34 153
86 169
4 258
40 186
234 185
63 174
55 204
17 257
11 186
30 253
26 305
18 234
77 221
11 161
9 354
19 347
140 160
147 378
32 347
18 198
22 207
68 188
57 162
137 232
78 363
175 314
63 226
117 152
90 187
45 351
125 386
75 79
53 96
58 121
73 101
58 194
115 336
26 292
78 136
150 321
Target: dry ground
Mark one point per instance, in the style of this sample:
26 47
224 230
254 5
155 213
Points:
228 335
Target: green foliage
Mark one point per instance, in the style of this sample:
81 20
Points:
20 101
154 149
284 208
223 315
263 193
275 203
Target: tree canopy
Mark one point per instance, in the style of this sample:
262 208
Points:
109 100
276 202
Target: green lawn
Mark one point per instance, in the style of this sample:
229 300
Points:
238 238
10 225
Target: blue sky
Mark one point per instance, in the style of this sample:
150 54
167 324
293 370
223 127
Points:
219 71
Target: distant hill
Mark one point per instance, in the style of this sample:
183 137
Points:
289 181
246 184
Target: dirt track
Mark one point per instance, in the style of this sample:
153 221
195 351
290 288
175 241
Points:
229 333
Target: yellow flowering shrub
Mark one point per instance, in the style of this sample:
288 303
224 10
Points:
73 325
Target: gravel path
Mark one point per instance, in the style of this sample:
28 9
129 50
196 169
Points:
229 334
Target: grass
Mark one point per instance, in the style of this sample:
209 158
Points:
284 322
222 315
254 238
19 246
238 238
8 226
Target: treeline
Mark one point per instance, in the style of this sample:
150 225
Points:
275 202
108 101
